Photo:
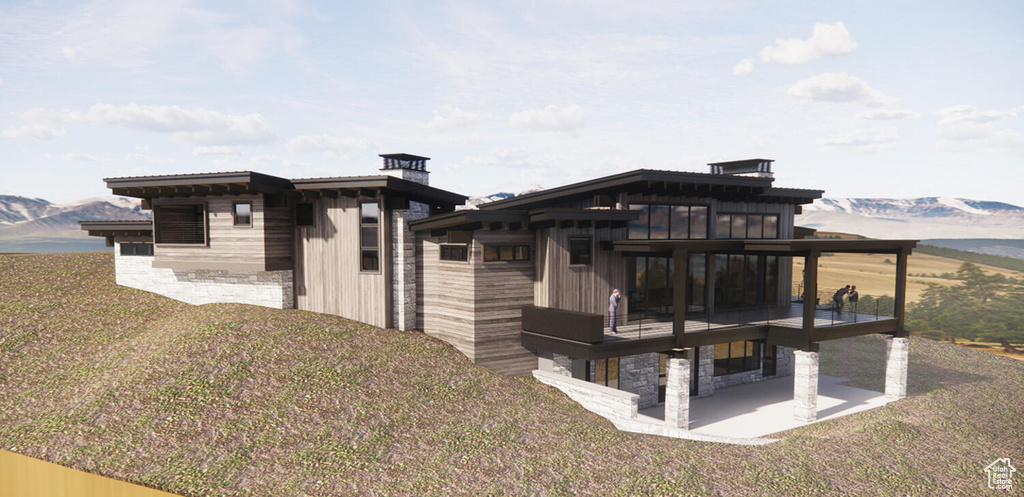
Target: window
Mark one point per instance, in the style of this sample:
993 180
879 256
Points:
243 213
455 253
304 214
663 222
493 253
604 372
369 236
746 279
737 226
136 248
736 357
180 224
579 250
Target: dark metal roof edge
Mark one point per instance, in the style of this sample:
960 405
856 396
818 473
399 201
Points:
466 216
198 179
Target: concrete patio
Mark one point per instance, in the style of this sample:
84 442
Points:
758 409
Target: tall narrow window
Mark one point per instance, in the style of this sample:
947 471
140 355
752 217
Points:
723 223
698 222
579 250
369 235
638 227
243 213
659 215
680 222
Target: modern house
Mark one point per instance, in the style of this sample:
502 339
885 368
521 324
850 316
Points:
704 262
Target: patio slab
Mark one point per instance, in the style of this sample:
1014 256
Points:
758 409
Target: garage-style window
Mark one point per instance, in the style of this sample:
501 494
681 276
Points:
459 252
243 213
180 224
579 250
369 236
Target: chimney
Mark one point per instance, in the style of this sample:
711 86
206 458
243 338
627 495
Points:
408 167
758 168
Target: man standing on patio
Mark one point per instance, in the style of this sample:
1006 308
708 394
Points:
838 298
613 306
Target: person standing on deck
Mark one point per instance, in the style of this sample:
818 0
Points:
838 298
613 307
853 297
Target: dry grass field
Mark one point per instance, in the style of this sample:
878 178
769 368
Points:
240 400
874 276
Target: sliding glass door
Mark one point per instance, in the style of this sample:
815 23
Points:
651 289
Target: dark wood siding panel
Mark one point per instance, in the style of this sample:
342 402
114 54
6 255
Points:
580 288
502 288
327 276
448 298
277 232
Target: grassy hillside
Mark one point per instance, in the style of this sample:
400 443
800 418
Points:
239 400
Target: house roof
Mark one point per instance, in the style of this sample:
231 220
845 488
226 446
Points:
138 228
721 186
249 182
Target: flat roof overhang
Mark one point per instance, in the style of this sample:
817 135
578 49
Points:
371 186
721 186
179 185
109 229
470 220
770 247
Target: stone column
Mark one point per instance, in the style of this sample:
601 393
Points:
403 276
805 386
677 393
706 372
897 357
561 364
639 374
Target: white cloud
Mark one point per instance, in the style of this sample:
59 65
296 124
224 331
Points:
69 53
147 159
457 118
37 131
196 126
827 40
216 150
965 127
1 82
330 146
886 115
838 87
550 118
253 163
84 158
745 67
861 138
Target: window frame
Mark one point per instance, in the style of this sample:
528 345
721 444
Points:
378 245
590 250
312 214
648 211
443 246
158 221
741 361
513 248
234 214
135 249
729 220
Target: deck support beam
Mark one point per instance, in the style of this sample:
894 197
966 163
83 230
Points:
900 303
677 391
810 291
805 386
897 357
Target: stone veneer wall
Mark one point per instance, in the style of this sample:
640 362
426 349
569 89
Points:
639 374
403 264
203 286
706 371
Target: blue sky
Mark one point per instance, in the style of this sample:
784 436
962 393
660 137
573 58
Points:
862 99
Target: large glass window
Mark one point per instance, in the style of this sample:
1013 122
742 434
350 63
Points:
369 235
662 222
738 226
180 224
579 250
745 279
736 357
604 372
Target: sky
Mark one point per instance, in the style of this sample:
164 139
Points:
890 99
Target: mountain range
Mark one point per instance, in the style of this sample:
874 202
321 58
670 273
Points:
37 225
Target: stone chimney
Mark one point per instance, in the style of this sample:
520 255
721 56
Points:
758 168
406 166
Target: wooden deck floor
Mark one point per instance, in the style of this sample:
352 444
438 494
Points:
789 317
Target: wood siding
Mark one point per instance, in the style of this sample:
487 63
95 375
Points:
264 245
580 288
477 306
327 264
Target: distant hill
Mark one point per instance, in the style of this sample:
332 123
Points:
926 217
37 225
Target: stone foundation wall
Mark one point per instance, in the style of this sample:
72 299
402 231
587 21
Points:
403 278
639 374
203 286
729 380
599 399
784 361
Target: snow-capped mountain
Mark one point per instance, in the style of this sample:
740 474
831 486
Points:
20 216
473 202
927 217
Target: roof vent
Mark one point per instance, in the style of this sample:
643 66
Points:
758 168
406 166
